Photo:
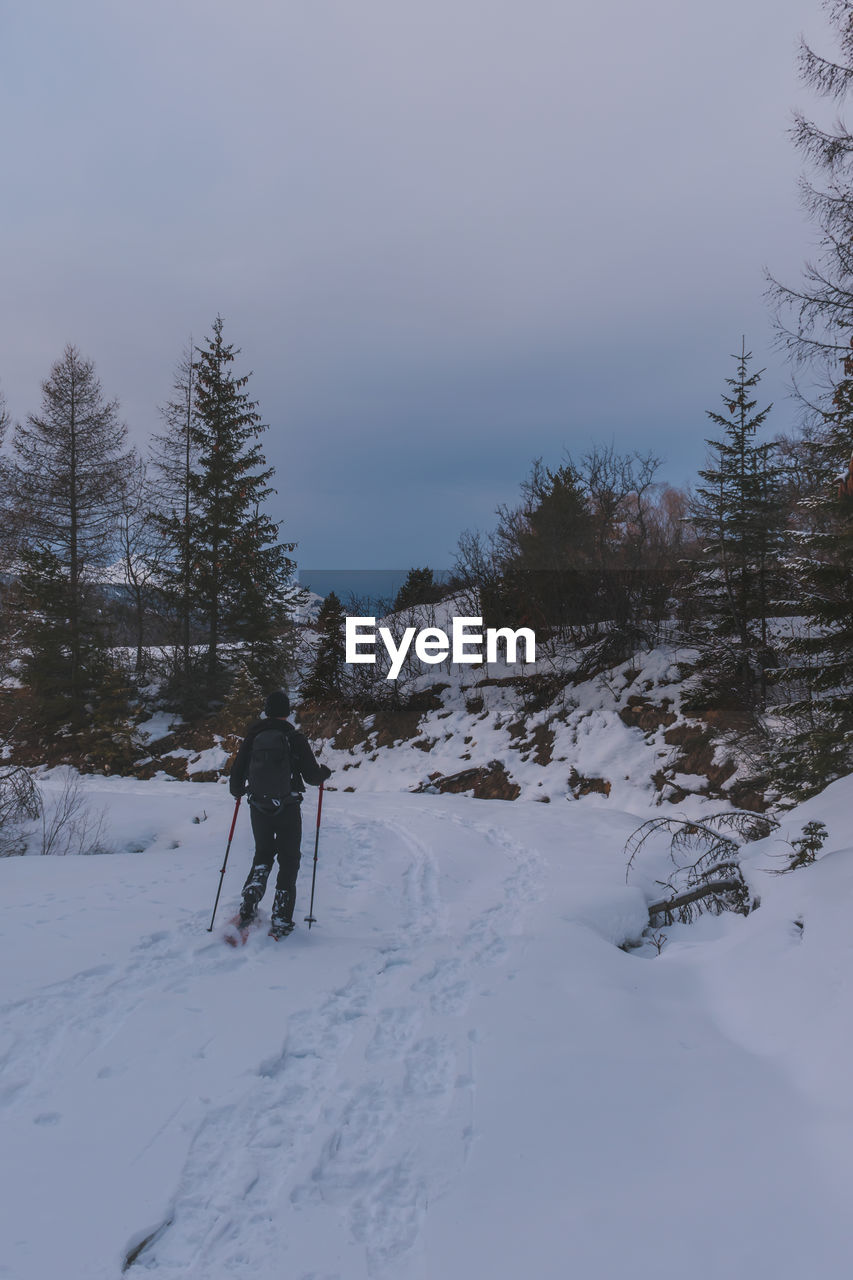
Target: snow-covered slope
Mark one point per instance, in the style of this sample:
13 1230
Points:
456 1072
620 731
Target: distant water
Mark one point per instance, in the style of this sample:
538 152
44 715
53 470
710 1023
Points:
370 587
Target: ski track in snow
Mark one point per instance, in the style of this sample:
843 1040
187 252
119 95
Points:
393 1096
302 1137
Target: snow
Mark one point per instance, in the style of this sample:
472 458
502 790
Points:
157 726
457 1072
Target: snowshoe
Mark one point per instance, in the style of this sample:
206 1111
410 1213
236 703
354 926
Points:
282 929
237 931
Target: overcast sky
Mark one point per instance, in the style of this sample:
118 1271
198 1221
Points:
449 237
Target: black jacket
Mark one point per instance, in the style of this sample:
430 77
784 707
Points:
303 765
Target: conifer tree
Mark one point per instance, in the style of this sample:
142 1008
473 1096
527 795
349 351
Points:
175 458
737 517
325 679
818 745
815 317
420 587
4 418
545 551
67 481
243 703
40 602
112 740
241 573
8 542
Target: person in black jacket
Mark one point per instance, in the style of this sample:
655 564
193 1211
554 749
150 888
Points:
276 824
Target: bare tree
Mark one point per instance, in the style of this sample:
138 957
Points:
140 541
19 800
69 825
619 487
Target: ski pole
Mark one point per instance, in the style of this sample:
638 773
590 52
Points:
311 917
224 864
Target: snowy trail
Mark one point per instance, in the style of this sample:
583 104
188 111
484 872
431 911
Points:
365 1114
456 1072
296 1124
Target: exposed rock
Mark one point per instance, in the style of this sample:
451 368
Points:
386 725
697 754
746 795
581 786
543 744
488 782
539 741
686 732
648 716
175 766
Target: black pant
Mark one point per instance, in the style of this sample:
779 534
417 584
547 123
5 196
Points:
277 835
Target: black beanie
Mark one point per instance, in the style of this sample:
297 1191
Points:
277 705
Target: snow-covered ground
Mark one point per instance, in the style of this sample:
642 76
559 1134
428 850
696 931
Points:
457 1072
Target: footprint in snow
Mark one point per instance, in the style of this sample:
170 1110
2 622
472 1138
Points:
394 1031
448 991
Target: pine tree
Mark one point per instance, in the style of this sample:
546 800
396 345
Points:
8 544
4 418
67 481
818 744
112 741
243 704
175 458
815 318
325 679
241 573
420 587
263 616
545 551
737 517
41 605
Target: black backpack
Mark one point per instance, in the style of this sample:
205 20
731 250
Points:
270 780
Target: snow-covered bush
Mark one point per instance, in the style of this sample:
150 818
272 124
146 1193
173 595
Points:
69 824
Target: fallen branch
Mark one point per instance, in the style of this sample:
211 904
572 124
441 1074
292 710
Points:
693 895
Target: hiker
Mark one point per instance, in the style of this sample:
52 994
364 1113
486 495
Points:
271 767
